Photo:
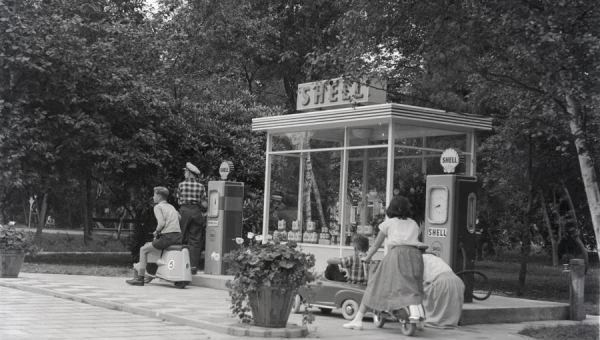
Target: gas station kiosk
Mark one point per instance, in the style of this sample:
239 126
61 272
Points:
331 169
223 221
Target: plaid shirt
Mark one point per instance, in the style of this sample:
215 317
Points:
356 273
190 191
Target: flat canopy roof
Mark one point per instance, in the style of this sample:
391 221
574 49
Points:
364 115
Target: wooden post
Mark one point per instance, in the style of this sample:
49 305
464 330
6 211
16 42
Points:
577 288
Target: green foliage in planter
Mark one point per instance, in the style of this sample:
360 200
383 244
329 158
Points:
260 265
13 241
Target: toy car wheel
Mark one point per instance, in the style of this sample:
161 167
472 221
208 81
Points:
326 311
378 319
408 329
180 284
297 304
349 309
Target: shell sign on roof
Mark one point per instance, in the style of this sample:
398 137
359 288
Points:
338 92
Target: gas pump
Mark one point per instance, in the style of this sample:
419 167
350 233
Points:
223 221
450 221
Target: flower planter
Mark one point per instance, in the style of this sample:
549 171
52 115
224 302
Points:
10 264
271 306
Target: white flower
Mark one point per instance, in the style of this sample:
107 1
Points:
259 237
12 223
269 237
250 235
215 256
239 240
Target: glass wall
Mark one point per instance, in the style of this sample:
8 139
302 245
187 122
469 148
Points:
304 197
312 171
365 188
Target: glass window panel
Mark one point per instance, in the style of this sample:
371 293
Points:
368 135
307 183
283 209
417 136
456 141
320 208
366 187
409 181
306 140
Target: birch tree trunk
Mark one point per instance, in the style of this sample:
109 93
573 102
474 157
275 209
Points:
576 234
41 220
586 164
525 236
317 194
553 240
307 188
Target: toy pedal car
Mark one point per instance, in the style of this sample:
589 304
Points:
328 295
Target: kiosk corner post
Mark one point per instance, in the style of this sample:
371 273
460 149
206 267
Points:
223 223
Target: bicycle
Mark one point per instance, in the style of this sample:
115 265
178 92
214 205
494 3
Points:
481 288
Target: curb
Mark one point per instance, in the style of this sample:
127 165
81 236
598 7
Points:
291 330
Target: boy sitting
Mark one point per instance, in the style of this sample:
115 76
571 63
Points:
353 265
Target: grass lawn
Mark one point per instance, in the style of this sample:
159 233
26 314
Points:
579 332
543 282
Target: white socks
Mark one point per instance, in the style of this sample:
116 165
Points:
356 323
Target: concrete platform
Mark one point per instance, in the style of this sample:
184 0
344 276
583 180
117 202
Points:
496 309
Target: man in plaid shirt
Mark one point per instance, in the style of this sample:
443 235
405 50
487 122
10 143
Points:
191 196
353 265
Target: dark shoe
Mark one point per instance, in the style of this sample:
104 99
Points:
148 279
138 281
194 270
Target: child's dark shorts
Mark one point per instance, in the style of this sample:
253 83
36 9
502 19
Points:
166 240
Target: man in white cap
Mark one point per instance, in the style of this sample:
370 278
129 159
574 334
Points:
191 196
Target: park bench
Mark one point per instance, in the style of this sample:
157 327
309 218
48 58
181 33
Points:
117 222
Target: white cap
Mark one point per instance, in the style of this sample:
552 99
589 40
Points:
192 168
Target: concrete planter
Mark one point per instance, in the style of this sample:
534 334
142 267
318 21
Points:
271 306
10 265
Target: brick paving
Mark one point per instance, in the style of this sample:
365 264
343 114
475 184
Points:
48 306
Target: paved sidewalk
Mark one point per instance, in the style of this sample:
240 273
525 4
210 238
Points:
111 309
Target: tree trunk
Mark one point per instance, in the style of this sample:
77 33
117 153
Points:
70 214
307 188
25 208
561 222
317 194
576 234
553 240
41 220
586 164
526 235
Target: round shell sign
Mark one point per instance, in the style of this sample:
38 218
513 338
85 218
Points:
449 160
225 168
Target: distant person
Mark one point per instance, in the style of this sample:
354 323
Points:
398 280
167 233
444 293
352 264
479 244
191 199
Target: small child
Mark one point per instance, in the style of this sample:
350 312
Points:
353 265
167 233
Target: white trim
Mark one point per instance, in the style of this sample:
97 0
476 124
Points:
372 114
343 192
267 192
